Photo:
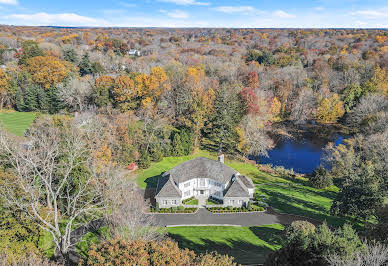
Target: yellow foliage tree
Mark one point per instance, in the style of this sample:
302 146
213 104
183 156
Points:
47 70
124 92
276 106
330 109
4 86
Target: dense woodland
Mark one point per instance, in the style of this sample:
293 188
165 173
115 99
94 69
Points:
102 109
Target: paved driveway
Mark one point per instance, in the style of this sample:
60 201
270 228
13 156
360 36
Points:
204 217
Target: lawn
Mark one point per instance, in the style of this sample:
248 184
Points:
248 245
192 202
148 178
17 122
301 200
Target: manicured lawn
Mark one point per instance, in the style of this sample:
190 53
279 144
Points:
248 245
17 122
301 200
192 202
210 202
148 178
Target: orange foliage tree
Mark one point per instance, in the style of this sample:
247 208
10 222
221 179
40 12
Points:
47 70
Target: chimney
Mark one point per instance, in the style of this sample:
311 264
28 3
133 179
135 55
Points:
221 158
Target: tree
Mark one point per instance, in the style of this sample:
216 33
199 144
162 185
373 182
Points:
47 71
166 252
304 244
4 87
30 49
250 99
124 92
70 55
102 90
85 66
320 178
360 194
56 184
177 146
330 109
221 128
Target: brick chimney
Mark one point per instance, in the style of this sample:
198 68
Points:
221 158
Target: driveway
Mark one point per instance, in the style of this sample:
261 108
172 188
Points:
204 217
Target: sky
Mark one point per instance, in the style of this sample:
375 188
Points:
197 13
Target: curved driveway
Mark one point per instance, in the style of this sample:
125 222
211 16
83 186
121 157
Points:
204 217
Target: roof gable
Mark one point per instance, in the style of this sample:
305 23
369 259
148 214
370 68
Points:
237 189
167 188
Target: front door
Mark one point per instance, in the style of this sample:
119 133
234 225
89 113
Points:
202 192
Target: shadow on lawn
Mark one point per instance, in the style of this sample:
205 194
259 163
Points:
243 252
286 204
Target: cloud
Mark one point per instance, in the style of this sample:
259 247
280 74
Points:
236 9
176 14
371 14
9 2
319 8
45 19
185 2
282 14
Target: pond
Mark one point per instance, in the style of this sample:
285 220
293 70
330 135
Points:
303 152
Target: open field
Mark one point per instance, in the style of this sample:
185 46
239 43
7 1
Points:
248 245
17 122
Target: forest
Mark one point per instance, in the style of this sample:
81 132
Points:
109 100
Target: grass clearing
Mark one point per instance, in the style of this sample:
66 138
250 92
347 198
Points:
191 202
17 122
302 200
248 245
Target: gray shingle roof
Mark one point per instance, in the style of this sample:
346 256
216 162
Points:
201 168
247 181
167 188
237 189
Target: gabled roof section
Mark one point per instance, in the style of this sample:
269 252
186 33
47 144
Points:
247 181
167 188
237 189
201 168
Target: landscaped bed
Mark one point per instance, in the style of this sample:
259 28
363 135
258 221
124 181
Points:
252 208
179 209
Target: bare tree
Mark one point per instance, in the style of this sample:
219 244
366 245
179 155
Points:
258 142
75 93
55 180
128 216
374 254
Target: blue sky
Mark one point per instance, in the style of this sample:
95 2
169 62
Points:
197 13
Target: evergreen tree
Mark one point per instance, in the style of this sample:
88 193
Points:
220 132
54 102
177 147
70 55
85 66
19 99
187 141
30 49
31 99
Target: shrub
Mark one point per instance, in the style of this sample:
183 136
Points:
320 178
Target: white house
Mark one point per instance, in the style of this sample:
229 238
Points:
203 177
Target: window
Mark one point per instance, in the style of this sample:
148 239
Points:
187 184
187 193
202 182
240 202
173 202
231 201
165 202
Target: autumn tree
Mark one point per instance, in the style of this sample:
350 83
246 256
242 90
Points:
124 92
330 109
4 87
47 70
102 90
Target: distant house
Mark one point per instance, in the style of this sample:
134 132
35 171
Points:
203 177
134 52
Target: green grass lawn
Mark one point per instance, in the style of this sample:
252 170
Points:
301 200
148 178
192 202
17 122
248 245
